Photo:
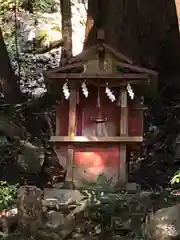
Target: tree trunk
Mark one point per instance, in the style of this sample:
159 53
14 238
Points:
8 81
177 2
66 52
146 31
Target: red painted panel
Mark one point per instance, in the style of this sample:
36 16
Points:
63 115
91 162
108 128
135 120
89 111
86 110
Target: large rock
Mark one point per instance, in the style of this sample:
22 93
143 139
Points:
165 224
62 196
31 158
54 220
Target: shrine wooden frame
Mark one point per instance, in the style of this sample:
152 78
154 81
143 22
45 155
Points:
140 76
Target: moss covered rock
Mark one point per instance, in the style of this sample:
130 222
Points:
45 35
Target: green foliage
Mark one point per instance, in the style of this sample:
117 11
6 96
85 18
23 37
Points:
41 34
101 183
43 5
82 22
56 28
7 5
37 5
176 178
8 194
115 212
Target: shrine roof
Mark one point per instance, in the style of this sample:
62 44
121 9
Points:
121 66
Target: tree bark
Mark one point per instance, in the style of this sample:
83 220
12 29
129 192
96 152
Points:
8 81
66 52
145 31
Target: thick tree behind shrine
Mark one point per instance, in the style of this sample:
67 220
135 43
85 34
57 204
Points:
145 31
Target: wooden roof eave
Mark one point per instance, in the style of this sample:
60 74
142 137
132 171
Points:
137 68
116 80
82 56
77 62
101 75
59 72
84 53
140 72
63 68
118 55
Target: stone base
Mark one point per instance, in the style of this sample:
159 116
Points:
131 187
62 195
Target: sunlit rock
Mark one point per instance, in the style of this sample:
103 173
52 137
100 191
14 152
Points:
165 224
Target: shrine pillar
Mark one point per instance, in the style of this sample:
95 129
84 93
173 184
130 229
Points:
123 132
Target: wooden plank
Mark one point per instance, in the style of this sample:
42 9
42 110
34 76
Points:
136 68
124 114
84 54
123 165
100 75
63 68
123 132
118 82
70 167
103 82
57 121
139 107
82 139
117 54
72 113
71 133
142 122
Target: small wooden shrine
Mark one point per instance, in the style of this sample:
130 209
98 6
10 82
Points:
100 119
